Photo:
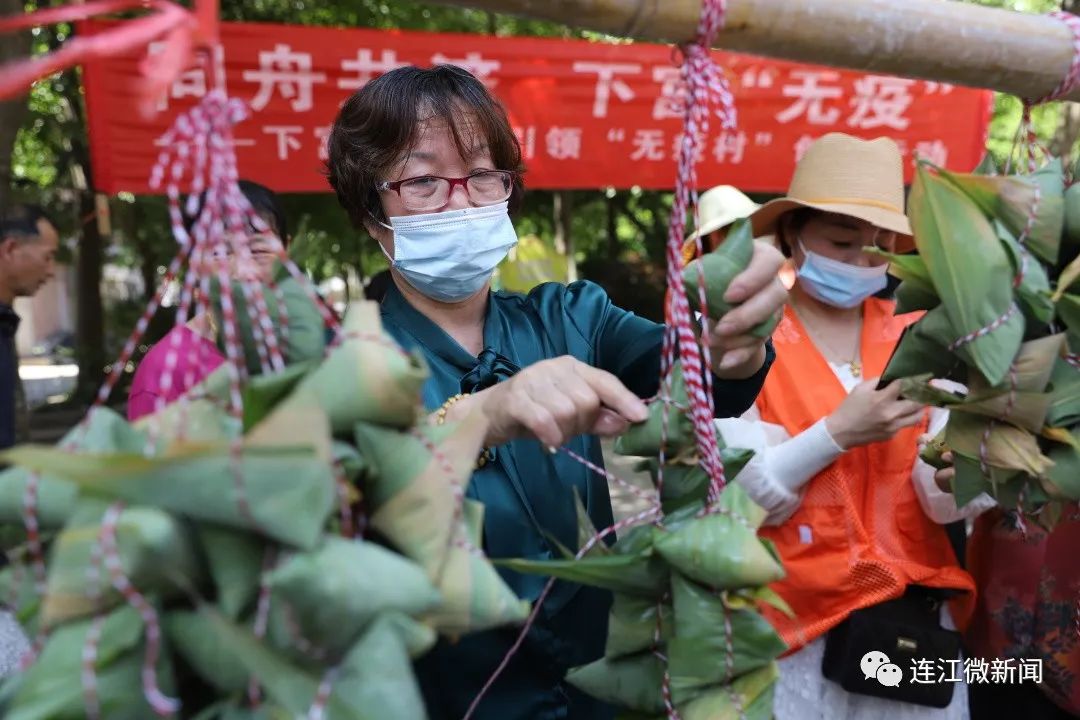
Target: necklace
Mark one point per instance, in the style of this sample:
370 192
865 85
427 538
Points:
854 364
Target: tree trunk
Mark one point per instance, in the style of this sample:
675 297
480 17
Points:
1068 131
345 279
90 319
14 111
564 240
134 218
90 322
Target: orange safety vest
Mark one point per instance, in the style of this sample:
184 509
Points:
860 535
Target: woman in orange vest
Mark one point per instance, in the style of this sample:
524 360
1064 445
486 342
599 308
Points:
854 514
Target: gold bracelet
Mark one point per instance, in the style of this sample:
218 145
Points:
486 455
440 414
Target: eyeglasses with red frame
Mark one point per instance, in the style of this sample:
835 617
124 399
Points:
425 193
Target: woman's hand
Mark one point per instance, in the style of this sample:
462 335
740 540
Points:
555 400
944 478
869 415
735 353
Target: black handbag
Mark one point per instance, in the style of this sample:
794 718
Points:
906 630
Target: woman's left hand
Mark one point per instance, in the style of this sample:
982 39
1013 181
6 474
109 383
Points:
737 354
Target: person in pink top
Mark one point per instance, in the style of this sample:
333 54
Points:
194 342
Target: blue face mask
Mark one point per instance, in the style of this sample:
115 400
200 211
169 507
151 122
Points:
448 256
838 283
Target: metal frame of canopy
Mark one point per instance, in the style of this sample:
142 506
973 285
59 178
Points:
940 40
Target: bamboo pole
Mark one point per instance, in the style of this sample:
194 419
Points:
941 40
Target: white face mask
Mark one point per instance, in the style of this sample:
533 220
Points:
448 256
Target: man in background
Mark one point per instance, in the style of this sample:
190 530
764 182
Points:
28 245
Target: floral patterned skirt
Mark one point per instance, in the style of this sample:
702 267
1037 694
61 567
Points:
1028 604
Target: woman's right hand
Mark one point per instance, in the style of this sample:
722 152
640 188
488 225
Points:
555 400
869 415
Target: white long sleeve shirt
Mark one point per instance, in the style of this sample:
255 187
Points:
782 465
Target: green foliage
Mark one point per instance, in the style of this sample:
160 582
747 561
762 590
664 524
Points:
1006 120
47 145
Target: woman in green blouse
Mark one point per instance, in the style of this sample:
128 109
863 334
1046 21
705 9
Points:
427 163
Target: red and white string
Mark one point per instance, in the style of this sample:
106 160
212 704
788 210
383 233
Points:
456 487
986 330
161 704
1071 80
628 522
1026 135
705 86
262 616
88 675
322 695
707 92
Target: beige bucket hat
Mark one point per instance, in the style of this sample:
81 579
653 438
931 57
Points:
849 176
720 206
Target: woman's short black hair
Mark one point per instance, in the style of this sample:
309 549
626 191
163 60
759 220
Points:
264 201
267 205
379 125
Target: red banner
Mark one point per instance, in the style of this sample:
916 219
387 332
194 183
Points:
588 114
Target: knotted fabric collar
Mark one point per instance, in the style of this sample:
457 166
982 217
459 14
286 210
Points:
491 368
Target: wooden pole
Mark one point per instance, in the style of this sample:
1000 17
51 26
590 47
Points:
940 40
